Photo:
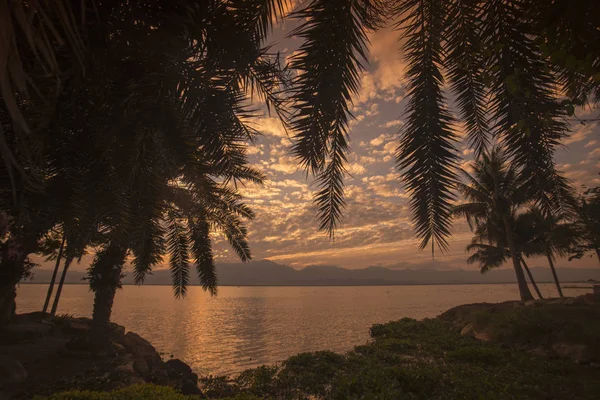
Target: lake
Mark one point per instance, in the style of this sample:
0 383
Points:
249 326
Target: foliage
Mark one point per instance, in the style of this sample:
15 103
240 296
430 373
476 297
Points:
587 225
494 192
134 392
507 62
427 359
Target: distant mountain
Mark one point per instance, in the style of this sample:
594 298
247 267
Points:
268 273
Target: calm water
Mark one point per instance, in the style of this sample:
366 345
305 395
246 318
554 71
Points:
245 327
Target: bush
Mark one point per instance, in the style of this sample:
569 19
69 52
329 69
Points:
134 392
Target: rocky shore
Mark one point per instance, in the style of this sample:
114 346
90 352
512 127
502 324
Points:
542 349
41 355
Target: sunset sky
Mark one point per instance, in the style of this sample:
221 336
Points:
376 229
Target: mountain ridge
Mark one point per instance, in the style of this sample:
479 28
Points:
269 273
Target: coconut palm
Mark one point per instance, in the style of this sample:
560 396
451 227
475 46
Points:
512 52
494 193
490 249
504 60
553 236
139 123
587 225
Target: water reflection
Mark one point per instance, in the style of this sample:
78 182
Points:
249 326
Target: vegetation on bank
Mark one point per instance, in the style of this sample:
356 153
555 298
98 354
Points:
429 359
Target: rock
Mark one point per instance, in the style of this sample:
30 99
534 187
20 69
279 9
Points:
141 367
570 301
468 330
126 374
11 370
118 330
576 352
119 348
36 316
194 377
76 327
16 333
125 369
160 375
180 367
140 347
188 388
587 299
66 352
482 336
529 303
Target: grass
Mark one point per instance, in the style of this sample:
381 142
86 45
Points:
427 359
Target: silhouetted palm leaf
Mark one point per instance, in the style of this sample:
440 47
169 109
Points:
427 152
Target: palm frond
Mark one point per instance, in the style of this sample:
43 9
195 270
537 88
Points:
487 256
427 153
464 63
528 118
201 248
178 243
329 64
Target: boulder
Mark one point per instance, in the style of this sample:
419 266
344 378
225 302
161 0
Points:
190 388
141 367
125 369
15 333
579 353
11 370
468 330
482 336
126 375
117 330
140 347
180 367
119 348
76 327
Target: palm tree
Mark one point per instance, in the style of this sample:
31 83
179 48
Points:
490 249
512 52
553 236
494 193
500 72
503 58
587 225
489 256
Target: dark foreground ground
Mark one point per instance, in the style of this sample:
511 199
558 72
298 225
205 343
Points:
539 350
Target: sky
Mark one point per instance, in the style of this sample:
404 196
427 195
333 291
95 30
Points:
376 228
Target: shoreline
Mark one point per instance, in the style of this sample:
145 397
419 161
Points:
458 341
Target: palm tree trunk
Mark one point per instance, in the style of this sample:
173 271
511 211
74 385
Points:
8 294
535 286
103 302
106 273
521 281
554 275
60 285
598 254
54 273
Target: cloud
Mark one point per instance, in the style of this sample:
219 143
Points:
580 133
270 126
387 75
356 169
393 123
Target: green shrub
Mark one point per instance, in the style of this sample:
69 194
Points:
134 392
